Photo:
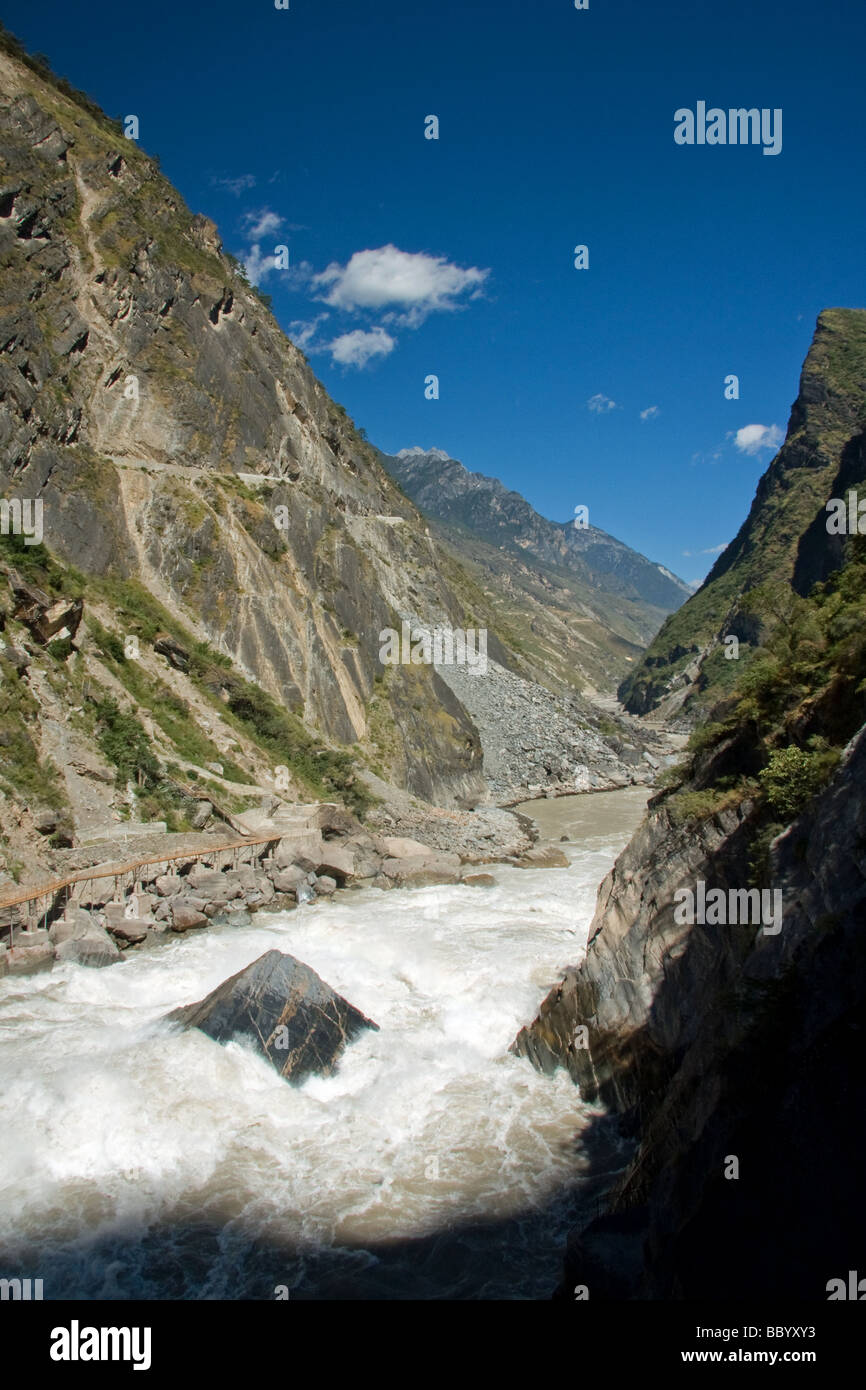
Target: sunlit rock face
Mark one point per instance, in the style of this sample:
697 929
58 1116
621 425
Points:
146 389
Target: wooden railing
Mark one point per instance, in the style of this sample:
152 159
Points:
119 871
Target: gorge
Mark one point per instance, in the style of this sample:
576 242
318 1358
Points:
206 763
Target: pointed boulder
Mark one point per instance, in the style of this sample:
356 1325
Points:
292 1017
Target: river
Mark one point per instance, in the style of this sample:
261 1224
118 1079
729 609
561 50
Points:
136 1162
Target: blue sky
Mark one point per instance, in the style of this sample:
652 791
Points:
305 127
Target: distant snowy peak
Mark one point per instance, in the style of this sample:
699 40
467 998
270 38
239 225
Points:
417 452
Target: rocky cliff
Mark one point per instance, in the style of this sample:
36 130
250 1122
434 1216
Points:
723 1038
175 437
197 485
782 544
721 1043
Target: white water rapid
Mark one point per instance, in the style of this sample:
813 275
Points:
140 1163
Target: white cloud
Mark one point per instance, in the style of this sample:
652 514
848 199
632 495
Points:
600 404
421 284
257 264
751 439
300 274
356 349
303 334
263 223
650 413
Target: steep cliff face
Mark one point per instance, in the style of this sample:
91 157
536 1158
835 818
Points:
206 505
176 438
725 1042
783 541
724 1038
635 948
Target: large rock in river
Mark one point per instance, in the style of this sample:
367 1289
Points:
293 1018
94 949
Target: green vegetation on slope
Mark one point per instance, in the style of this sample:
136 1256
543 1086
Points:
323 772
776 739
830 411
21 770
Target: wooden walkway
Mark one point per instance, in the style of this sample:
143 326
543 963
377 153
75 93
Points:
49 892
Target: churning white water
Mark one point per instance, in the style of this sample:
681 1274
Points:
140 1162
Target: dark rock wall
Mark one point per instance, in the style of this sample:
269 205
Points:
719 1042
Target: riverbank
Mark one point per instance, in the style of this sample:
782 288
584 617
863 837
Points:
101 909
301 854
536 743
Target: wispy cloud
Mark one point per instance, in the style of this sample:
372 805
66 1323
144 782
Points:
305 333
600 404
262 223
259 263
356 349
413 281
650 413
711 550
751 439
237 185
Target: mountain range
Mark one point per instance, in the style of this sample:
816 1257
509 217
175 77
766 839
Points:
578 604
195 634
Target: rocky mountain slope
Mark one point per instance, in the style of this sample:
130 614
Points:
577 604
783 544
175 438
719 1043
535 742
194 627
726 1042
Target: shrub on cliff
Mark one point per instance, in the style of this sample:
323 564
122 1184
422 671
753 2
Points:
125 744
794 775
